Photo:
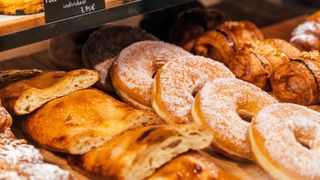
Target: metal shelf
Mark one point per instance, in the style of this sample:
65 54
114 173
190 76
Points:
82 22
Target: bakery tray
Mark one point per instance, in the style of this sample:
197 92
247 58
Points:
16 31
242 170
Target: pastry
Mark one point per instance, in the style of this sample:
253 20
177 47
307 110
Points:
25 96
82 121
221 43
193 23
21 7
285 141
136 154
105 44
10 76
177 82
191 165
255 62
66 50
283 46
133 70
297 81
306 35
227 107
5 118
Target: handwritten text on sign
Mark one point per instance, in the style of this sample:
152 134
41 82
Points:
60 9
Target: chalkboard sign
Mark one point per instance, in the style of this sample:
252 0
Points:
60 9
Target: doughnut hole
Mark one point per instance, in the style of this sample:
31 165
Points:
246 110
307 137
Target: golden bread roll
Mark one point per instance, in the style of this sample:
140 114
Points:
10 76
83 120
21 7
220 44
255 61
136 154
297 81
191 165
23 97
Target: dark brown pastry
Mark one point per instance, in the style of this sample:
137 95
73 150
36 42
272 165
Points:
10 76
159 23
298 80
193 23
105 44
222 43
66 50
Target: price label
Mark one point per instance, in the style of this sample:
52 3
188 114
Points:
60 9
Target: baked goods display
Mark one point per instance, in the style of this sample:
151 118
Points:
176 83
23 97
136 154
285 141
227 106
21 7
297 81
86 119
220 44
306 36
105 44
134 68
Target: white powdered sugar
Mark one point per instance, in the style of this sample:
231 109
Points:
181 78
307 33
219 103
137 63
284 128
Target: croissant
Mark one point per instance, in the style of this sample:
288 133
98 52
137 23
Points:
220 44
297 81
306 36
254 62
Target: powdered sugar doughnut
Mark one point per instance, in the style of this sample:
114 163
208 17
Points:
306 36
176 83
133 70
278 135
225 106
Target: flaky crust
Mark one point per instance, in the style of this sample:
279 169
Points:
23 97
20 7
83 120
138 153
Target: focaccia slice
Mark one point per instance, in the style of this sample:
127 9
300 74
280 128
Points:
136 154
83 120
23 97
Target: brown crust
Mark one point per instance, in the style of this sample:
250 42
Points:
10 76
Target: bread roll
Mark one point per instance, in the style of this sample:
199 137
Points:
82 121
23 97
136 154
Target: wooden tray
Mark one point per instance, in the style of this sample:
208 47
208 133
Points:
240 169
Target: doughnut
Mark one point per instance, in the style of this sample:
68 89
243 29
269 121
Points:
226 105
285 141
105 44
133 70
176 83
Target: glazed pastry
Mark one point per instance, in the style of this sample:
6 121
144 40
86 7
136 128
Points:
220 44
133 70
193 23
255 62
82 121
297 81
20 7
10 76
227 107
5 118
306 36
136 154
283 46
285 141
176 83
191 165
25 96
66 50
105 44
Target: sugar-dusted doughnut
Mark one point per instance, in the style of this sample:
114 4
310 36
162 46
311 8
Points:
285 141
225 106
133 70
176 83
